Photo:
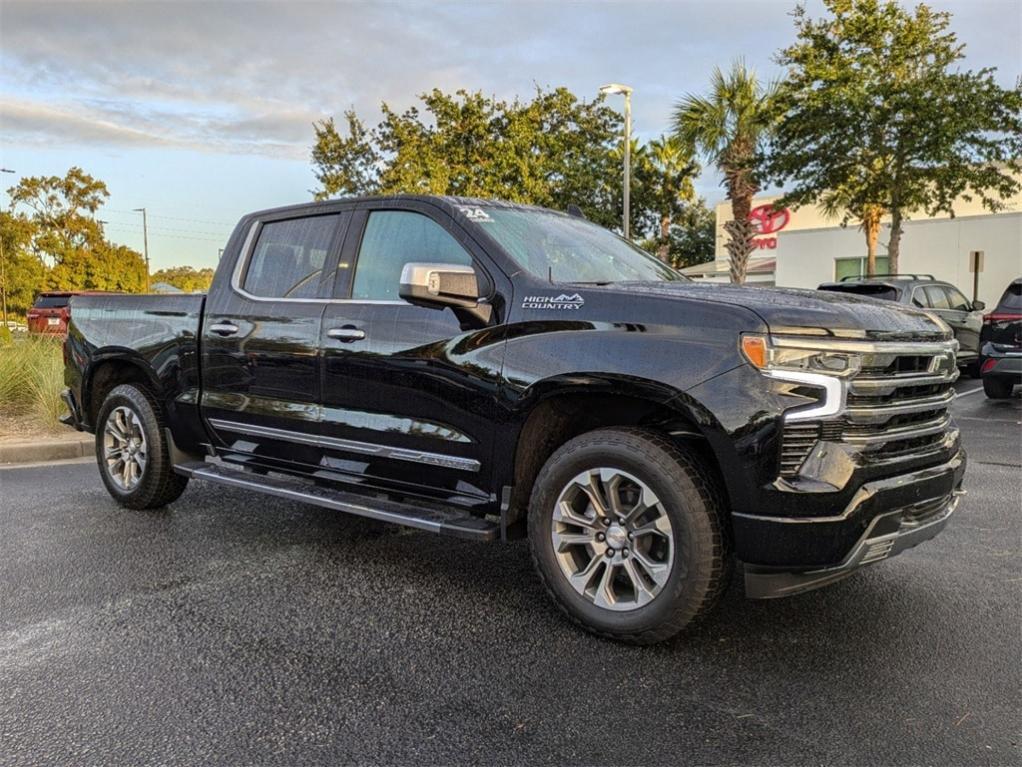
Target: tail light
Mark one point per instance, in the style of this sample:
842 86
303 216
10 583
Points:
987 365
33 315
1001 317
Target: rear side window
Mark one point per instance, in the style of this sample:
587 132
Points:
394 238
885 292
288 258
51 302
1012 298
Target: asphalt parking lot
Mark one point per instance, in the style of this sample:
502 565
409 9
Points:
233 629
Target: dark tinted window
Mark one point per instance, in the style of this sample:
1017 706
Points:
394 238
289 257
1012 298
936 298
886 292
51 302
957 300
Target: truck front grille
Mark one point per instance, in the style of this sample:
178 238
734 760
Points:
896 408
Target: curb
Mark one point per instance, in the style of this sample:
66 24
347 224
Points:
78 445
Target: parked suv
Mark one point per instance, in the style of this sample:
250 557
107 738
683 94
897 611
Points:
487 370
49 313
1001 344
924 292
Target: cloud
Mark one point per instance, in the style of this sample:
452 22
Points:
251 77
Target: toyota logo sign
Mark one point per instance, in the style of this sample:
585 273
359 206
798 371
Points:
765 219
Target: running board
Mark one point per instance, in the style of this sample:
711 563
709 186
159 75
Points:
455 523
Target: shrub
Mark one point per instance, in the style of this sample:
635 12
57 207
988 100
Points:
31 379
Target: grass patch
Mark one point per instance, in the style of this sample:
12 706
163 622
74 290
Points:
31 379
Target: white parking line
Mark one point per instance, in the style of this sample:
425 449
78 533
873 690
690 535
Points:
967 393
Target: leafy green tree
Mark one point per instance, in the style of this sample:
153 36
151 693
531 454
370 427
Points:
874 120
68 238
186 278
345 166
730 125
691 238
63 209
22 270
553 150
693 235
664 170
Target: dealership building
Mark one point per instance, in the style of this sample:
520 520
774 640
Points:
802 248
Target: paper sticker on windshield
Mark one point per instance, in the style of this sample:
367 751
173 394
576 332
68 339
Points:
475 214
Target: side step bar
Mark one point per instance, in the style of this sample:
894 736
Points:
455 523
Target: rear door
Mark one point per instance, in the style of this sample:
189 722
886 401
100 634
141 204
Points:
260 341
409 392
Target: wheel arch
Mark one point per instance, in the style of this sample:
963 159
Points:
111 368
557 409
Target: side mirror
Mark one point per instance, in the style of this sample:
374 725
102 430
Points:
443 285
978 306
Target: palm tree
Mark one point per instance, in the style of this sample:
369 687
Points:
728 126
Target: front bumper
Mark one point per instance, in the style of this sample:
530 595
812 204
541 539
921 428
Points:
883 519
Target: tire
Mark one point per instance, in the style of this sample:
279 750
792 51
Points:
691 550
972 370
146 479
998 388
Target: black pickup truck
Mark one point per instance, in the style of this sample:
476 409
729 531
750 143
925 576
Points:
489 371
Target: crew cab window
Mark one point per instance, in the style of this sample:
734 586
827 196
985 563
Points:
289 256
936 298
394 238
957 301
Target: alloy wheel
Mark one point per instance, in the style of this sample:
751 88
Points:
612 539
125 449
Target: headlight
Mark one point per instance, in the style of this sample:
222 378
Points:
767 356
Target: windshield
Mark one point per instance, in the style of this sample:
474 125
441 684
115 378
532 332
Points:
567 249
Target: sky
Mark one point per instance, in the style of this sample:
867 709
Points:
203 111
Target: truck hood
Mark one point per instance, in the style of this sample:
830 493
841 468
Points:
791 310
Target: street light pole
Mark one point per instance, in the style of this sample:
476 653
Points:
626 91
3 265
145 244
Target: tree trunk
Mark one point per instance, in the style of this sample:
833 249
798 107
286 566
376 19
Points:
871 226
894 243
740 234
664 251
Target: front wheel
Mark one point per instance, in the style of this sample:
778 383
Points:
132 450
626 532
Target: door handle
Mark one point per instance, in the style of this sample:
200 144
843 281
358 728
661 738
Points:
346 334
223 328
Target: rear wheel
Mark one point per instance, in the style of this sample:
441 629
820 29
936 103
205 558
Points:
626 533
132 450
998 388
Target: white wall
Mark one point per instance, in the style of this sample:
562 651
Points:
939 246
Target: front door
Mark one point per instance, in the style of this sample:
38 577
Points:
260 343
408 392
954 308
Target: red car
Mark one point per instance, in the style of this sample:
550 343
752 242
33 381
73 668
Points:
50 312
